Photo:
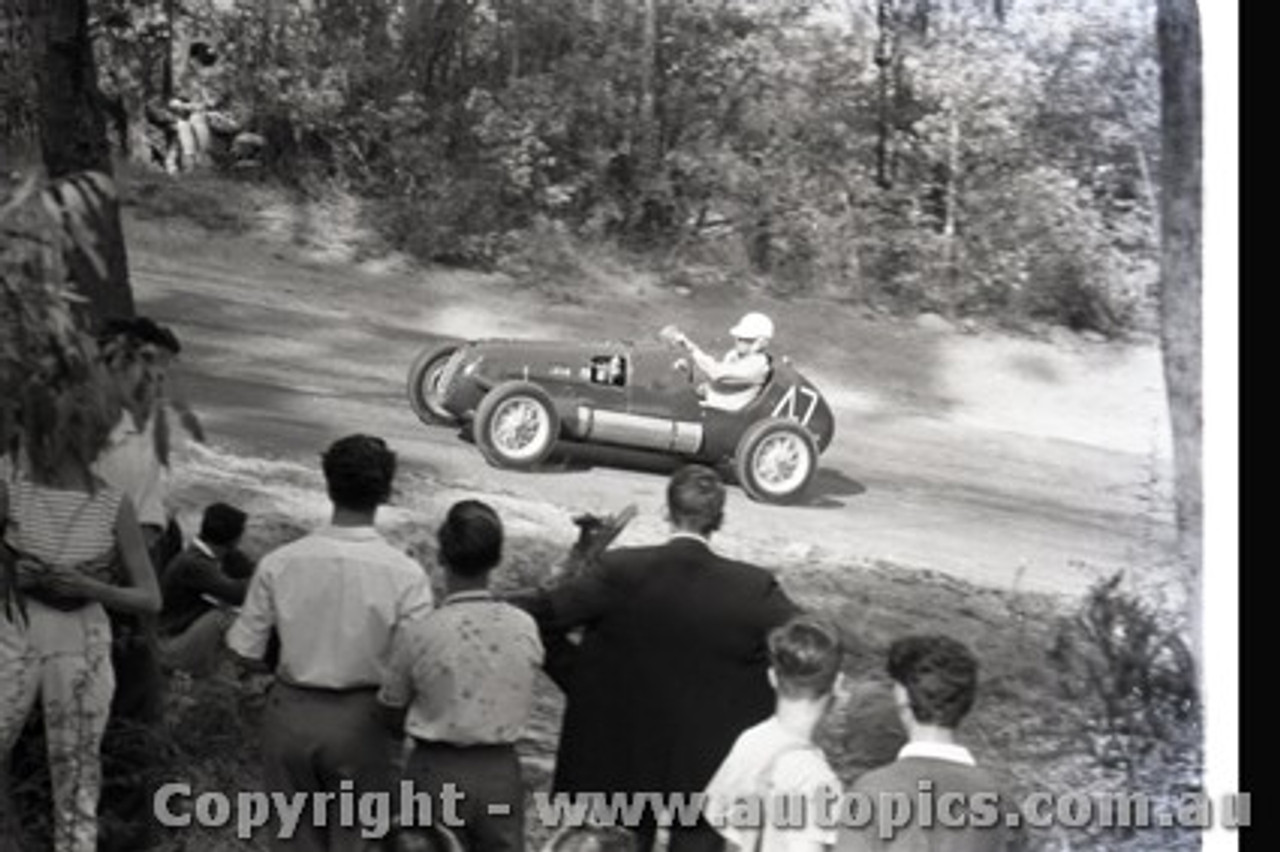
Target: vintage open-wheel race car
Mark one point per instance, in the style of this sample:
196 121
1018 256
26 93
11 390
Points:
521 397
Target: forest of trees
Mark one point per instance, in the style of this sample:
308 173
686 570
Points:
1036 160
971 157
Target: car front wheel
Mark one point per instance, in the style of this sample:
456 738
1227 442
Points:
776 460
516 425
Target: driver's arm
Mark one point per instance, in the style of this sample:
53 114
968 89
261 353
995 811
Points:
751 370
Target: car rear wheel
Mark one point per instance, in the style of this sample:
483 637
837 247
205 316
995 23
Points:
424 386
516 425
776 460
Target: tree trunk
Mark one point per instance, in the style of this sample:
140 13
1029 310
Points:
377 23
166 68
1178 39
138 139
1150 194
515 37
919 18
73 138
950 191
885 61
19 118
649 135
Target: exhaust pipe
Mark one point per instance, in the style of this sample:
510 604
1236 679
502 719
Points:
634 430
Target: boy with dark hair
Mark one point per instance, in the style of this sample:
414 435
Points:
200 594
461 684
335 598
935 681
774 770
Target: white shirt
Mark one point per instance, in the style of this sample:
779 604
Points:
735 380
950 752
336 598
770 764
129 462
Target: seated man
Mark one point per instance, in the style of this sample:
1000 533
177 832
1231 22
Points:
205 109
737 378
201 594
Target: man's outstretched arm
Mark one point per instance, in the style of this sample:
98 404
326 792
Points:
751 370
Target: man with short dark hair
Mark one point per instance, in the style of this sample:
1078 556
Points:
935 681
138 352
464 675
336 598
200 595
672 664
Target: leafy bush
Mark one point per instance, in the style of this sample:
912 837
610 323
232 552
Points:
1129 668
1018 151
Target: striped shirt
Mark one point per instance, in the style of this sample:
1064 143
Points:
62 526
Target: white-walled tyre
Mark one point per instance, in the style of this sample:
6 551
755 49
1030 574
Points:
516 425
425 392
776 460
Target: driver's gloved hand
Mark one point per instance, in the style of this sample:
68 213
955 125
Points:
671 335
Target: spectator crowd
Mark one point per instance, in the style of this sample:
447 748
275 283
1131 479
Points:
683 671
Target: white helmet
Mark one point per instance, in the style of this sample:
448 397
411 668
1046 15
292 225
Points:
753 326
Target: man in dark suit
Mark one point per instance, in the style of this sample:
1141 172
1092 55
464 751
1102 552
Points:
672 663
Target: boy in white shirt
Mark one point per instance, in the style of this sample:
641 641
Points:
775 791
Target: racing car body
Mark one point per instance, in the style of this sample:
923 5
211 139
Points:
521 397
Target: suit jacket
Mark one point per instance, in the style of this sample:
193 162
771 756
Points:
190 576
671 667
987 822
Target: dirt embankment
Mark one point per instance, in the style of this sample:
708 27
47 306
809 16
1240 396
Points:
1004 461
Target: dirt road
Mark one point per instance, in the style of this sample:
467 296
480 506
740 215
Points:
999 460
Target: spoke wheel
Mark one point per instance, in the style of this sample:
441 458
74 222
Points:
776 461
516 425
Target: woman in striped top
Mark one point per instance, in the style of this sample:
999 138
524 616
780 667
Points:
59 522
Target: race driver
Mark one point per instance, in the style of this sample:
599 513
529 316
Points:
734 380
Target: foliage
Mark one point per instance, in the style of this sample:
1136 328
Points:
1022 143
1128 665
54 397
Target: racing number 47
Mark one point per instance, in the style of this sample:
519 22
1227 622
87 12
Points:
787 406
